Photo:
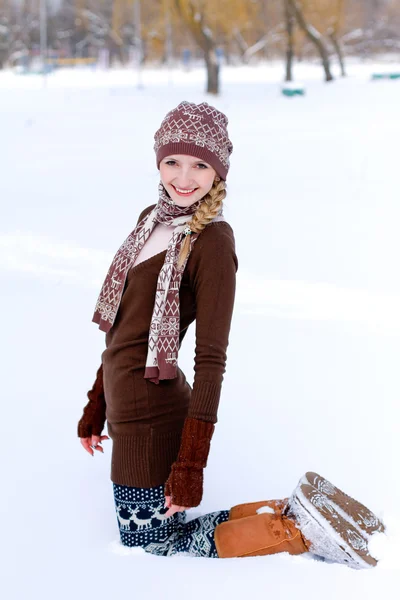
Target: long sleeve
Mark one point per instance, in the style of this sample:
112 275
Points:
94 413
185 482
214 287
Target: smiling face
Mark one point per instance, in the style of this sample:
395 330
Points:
187 179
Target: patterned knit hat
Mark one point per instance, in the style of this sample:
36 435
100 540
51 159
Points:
197 130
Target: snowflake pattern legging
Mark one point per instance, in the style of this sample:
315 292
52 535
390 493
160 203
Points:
141 522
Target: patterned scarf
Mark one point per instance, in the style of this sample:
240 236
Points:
162 356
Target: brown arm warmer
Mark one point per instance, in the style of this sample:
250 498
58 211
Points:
185 482
94 413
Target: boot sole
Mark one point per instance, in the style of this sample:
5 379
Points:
330 535
363 519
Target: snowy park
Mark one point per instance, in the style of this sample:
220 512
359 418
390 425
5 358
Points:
313 199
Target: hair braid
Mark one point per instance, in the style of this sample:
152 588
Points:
208 209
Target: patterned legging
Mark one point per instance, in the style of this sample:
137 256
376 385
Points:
141 521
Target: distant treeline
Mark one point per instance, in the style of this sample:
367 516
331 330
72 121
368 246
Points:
167 31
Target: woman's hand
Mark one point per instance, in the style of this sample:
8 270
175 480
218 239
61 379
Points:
173 508
93 443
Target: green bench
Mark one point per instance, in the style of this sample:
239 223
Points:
290 89
393 75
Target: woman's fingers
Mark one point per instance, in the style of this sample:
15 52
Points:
86 444
171 511
95 441
174 509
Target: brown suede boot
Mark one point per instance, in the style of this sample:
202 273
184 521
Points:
250 508
327 523
258 534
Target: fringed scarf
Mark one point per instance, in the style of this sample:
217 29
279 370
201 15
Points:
162 355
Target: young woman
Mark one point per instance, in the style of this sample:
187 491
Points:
178 266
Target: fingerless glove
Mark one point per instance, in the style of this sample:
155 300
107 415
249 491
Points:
94 413
185 482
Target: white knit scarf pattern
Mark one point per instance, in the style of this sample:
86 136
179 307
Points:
163 345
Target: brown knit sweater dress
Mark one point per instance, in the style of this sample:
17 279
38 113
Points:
145 420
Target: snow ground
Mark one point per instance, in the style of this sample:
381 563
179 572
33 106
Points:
316 310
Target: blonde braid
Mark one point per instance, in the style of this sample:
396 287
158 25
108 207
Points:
208 209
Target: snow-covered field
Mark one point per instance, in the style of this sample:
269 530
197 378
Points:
314 203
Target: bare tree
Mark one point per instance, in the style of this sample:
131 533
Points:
246 29
194 16
314 36
333 32
289 23
247 52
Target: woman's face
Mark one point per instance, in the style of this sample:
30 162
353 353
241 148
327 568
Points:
187 179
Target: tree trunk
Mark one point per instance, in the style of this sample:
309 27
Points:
3 57
334 34
314 36
228 56
289 22
241 44
338 49
252 50
116 52
212 72
205 40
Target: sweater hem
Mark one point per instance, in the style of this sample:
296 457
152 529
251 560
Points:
144 460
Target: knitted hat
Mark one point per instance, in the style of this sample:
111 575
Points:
197 130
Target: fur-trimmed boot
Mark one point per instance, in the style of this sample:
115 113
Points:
359 515
334 526
258 528
253 508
